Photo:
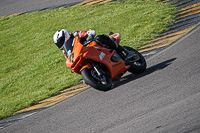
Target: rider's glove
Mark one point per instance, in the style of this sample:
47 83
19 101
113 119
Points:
89 38
75 34
91 34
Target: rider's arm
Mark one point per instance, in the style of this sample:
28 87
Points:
91 34
64 54
85 35
67 53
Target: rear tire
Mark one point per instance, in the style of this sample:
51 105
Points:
93 80
137 66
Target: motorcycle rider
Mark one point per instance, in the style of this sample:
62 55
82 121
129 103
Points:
62 36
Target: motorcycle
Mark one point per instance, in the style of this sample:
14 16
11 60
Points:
98 65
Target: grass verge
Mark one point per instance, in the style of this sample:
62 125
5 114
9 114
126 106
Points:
33 68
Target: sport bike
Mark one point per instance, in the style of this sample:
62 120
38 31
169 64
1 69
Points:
98 65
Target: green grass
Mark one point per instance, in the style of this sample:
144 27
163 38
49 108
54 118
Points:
33 68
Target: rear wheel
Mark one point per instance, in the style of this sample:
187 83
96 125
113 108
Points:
137 66
102 83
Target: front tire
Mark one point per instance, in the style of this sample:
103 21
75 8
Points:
102 83
137 66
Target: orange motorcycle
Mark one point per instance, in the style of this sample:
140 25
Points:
98 65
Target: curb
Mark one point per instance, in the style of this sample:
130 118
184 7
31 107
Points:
188 18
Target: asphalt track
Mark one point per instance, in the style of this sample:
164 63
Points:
8 7
165 98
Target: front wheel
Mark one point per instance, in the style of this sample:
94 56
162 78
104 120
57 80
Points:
137 66
102 83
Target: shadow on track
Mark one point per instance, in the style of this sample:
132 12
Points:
148 71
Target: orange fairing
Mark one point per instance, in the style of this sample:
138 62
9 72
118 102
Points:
77 59
103 55
116 36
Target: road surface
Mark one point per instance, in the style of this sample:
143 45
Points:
8 7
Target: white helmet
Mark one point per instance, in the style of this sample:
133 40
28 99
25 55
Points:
60 37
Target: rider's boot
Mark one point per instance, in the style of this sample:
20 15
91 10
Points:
125 54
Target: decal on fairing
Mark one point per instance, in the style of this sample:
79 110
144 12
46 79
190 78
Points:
101 56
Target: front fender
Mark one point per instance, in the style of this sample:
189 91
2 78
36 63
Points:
86 66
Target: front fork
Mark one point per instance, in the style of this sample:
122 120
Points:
100 76
95 68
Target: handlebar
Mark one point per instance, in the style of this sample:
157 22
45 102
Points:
88 42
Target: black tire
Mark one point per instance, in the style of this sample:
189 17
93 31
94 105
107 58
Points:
138 66
94 82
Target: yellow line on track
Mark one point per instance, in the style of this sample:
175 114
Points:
166 1
188 7
94 2
91 2
194 9
65 94
165 40
84 2
106 1
189 14
98 1
16 14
